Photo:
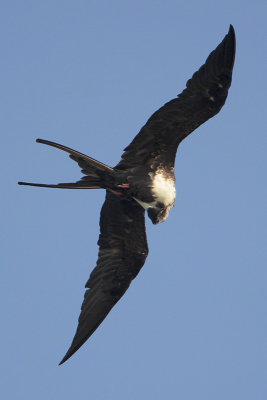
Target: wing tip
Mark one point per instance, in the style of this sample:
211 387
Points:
64 359
231 33
231 45
72 350
231 30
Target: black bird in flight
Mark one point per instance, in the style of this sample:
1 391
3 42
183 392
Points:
142 181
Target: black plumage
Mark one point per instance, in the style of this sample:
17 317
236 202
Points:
142 180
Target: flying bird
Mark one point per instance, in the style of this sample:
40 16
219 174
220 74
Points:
143 180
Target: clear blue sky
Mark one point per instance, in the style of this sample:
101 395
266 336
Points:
88 74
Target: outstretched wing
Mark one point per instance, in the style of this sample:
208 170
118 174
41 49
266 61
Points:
122 253
204 96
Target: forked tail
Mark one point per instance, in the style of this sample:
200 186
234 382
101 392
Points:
97 174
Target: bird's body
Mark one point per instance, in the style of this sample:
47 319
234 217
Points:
160 197
143 180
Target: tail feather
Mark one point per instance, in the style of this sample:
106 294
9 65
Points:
98 175
75 185
76 156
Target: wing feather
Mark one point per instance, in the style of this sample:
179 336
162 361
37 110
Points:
122 253
204 96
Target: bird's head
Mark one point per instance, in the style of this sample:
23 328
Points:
158 214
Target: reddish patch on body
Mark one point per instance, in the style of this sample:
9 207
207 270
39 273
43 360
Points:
124 186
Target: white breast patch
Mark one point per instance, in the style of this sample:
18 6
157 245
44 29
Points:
163 189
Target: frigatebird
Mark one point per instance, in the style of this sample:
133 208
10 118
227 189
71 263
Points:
142 181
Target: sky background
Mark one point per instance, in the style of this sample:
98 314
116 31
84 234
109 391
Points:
88 74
